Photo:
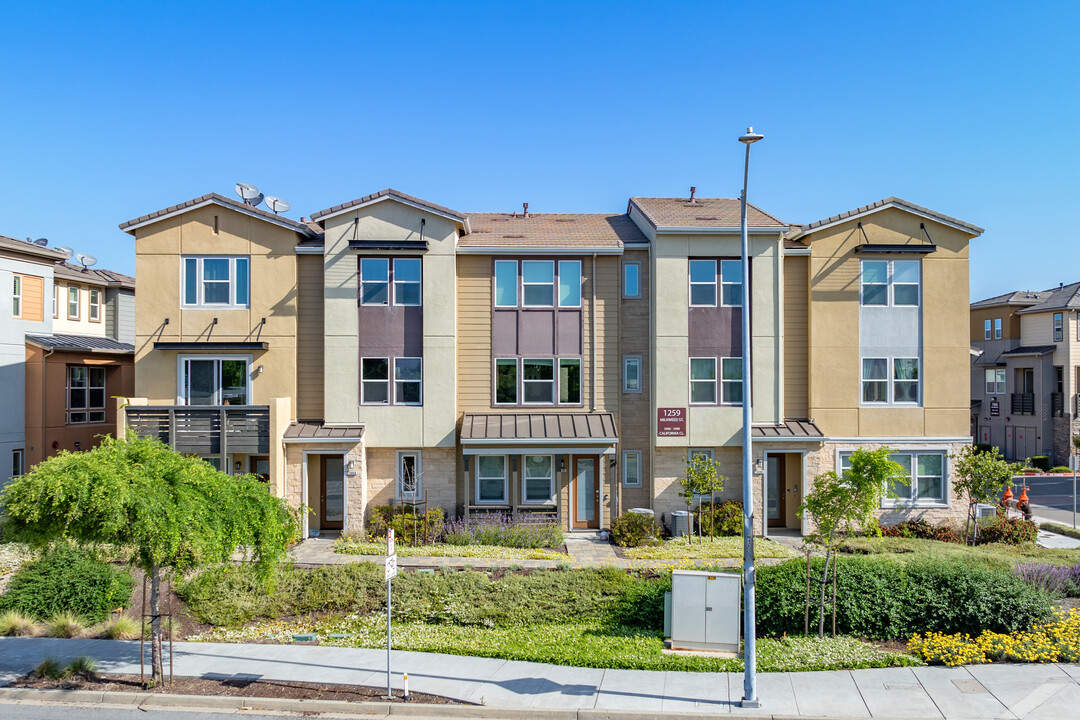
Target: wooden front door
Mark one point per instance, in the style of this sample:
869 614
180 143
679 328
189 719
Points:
332 493
586 494
775 491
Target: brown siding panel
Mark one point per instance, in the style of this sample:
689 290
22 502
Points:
796 356
309 337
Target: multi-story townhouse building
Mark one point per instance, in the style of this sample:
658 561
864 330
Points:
1026 372
391 349
66 348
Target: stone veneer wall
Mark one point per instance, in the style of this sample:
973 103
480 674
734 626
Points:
1064 429
437 476
355 485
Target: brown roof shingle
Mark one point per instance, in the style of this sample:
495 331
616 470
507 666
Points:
93 276
703 212
554 230
223 201
29 248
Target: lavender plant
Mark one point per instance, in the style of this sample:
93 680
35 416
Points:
1058 581
504 530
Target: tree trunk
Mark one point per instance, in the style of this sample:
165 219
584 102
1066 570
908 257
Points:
156 673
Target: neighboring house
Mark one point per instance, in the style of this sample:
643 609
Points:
66 335
392 350
1026 373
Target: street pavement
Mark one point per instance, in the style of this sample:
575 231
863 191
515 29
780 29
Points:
981 691
1051 496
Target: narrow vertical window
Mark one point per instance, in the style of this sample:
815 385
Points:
73 302
242 281
17 463
375 381
1059 329
875 380
731 283
95 305
631 373
731 380
374 281
16 297
506 385
191 281
631 284
408 476
407 281
997 328
570 381
569 283
875 282
56 299
702 283
538 283
408 381
702 381
506 283
631 468
986 329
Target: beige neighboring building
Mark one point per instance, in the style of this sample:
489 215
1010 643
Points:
394 350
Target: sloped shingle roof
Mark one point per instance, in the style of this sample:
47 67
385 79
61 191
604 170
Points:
554 230
703 212
392 194
891 201
93 276
218 200
1066 297
21 246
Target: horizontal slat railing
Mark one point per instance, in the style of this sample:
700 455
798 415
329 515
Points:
1023 404
199 429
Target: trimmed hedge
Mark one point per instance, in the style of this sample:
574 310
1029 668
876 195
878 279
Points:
886 599
67 580
1040 462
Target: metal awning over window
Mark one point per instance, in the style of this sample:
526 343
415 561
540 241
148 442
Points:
554 429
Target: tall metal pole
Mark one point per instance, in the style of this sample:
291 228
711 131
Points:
750 698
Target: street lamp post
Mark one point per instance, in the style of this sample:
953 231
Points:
750 698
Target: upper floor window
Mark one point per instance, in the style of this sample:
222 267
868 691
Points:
731 283
538 380
702 283
902 377
407 281
408 476
538 282
539 384
17 297
631 280
997 328
731 380
95 305
890 282
73 302
408 381
16 462
569 381
215 281
374 281
569 283
1059 328
986 329
702 381
995 381
506 283
86 394
379 275
631 365
214 380
56 300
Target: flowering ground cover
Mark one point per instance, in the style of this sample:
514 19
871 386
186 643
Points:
1057 640
707 548
352 546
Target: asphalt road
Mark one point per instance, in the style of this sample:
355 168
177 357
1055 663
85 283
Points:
1051 497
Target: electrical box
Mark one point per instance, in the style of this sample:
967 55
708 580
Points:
985 511
705 610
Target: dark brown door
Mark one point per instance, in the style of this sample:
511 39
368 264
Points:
332 493
586 493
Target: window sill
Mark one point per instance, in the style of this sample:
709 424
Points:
918 505
494 503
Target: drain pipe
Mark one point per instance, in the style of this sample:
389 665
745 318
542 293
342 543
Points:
44 406
592 322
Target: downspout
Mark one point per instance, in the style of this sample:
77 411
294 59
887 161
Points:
44 406
592 322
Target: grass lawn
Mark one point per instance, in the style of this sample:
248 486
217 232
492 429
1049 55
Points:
584 644
1003 557
347 546
708 549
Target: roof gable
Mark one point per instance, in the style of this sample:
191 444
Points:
397 196
215 199
889 202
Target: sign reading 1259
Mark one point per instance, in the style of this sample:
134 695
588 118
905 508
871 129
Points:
671 422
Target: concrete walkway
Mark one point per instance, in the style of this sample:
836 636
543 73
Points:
1049 539
981 691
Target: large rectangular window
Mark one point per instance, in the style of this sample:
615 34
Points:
375 381
1059 328
731 283
538 283
631 468
490 479
731 380
214 381
538 381
906 380
216 281
506 283
875 380
408 476
702 283
73 302
905 282
569 283
95 305
926 472
506 381
702 381
890 380
890 282
374 281
570 381
631 373
995 381
408 381
631 280
538 480
407 285
86 394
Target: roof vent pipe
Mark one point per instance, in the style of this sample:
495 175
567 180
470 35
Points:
526 206
693 191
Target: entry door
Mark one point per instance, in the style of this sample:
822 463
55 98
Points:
333 492
260 466
586 494
1025 442
775 490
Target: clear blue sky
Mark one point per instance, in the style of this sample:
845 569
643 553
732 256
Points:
111 111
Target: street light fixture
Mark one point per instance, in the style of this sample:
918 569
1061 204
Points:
750 698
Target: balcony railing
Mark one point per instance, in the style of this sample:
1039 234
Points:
204 429
1023 403
1057 404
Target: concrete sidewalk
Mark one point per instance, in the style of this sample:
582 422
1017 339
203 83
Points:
980 691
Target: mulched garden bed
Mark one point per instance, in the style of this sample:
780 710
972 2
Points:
232 687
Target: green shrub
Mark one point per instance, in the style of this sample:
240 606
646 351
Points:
13 622
722 519
922 530
884 598
67 579
1006 530
1060 469
635 529
427 527
983 447
1039 462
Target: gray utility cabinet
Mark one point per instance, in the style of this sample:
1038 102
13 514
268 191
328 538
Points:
705 610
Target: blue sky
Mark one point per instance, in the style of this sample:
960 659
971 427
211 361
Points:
114 110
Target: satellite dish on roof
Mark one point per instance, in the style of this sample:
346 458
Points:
41 242
249 193
277 204
68 252
86 260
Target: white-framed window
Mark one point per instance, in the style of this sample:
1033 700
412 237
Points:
407 281
85 394
409 475
214 380
731 283
631 373
995 381
702 283
506 283
216 281
986 329
56 299
875 380
886 282
506 381
94 307
702 381
927 472
374 281
731 381
538 480
569 381
997 328
631 468
1059 327
408 381
375 381
906 380
569 283
491 479
631 280
703 452
538 283
17 464
538 381
890 380
73 302
17 297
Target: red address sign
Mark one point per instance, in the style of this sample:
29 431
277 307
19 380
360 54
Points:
671 422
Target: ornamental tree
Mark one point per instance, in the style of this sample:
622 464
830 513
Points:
174 513
701 478
981 476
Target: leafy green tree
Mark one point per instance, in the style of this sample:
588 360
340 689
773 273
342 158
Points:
702 478
981 476
173 513
841 503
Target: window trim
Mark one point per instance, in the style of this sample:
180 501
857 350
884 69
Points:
637 269
200 282
93 308
714 381
715 282
18 462
397 381
495 380
888 503
418 470
495 284
627 360
722 283
17 304
78 302
997 328
388 381
554 284
392 297
625 455
1059 327
723 400
580 283
995 382
181 399
550 499
87 409
554 381
505 477
987 333
56 300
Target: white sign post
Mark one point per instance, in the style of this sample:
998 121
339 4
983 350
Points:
391 573
1074 461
